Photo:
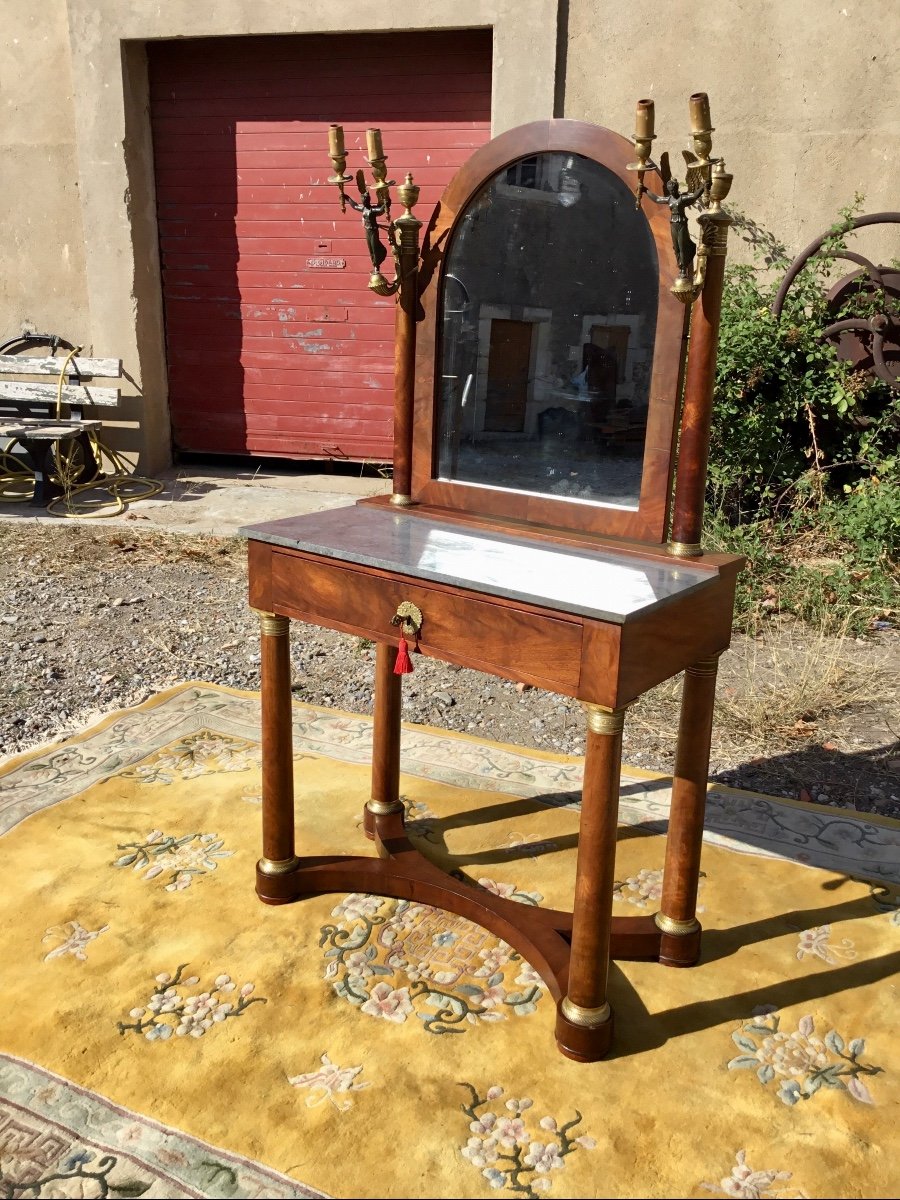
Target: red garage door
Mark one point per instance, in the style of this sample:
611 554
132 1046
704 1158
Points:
275 345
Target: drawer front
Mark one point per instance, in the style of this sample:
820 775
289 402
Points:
456 626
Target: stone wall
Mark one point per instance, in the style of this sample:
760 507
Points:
42 268
805 96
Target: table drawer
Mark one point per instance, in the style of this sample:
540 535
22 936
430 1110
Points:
457 626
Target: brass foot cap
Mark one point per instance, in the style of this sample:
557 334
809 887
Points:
584 1034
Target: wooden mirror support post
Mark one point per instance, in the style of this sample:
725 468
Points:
699 286
540 534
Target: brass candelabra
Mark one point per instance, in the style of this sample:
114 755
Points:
402 233
707 184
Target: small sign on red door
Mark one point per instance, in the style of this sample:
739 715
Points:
326 264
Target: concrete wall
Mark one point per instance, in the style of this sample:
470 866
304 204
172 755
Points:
805 93
42 270
805 96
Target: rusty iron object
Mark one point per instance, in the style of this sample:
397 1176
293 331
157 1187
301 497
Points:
871 342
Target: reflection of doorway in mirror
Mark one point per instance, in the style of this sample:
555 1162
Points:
512 365
614 340
509 372
617 363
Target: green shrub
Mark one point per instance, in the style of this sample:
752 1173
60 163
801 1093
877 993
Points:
789 417
804 476
868 517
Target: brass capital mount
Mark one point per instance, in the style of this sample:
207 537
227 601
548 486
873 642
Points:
272 625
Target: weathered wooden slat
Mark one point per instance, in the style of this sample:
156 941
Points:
33 427
101 368
45 393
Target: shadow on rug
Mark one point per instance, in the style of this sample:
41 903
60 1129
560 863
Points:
164 1034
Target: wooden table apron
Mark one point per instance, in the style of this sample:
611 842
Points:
603 664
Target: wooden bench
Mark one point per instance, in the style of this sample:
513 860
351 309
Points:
28 413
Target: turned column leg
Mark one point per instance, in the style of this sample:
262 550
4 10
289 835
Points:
278 857
385 739
584 1022
677 918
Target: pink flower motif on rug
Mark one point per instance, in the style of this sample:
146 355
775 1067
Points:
329 1082
391 1003
201 753
645 888
509 891
171 1011
801 1061
74 938
746 1184
516 1151
184 857
815 943
394 960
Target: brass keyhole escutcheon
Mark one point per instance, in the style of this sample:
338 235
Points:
409 618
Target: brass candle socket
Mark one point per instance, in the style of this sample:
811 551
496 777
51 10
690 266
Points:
377 160
644 163
702 130
338 155
644 125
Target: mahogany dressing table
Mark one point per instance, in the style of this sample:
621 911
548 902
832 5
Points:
534 531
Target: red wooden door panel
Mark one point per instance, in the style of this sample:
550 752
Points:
271 352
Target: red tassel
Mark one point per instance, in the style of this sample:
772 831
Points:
403 665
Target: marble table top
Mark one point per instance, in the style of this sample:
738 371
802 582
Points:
596 583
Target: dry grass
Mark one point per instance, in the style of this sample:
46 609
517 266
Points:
787 683
60 548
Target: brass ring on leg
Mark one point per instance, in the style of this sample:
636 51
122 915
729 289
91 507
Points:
383 808
584 1034
277 866
685 549
273 625
606 721
588 1017
674 927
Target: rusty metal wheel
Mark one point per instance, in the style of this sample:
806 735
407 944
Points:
870 340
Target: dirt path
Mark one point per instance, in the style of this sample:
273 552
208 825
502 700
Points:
95 618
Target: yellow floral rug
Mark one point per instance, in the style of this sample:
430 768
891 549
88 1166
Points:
164 1034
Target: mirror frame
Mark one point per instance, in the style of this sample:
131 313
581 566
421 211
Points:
647 522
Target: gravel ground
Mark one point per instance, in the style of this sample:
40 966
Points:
96 618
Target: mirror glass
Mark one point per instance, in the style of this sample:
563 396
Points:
547 326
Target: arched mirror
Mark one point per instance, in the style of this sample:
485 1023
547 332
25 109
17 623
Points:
552 346
546 341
